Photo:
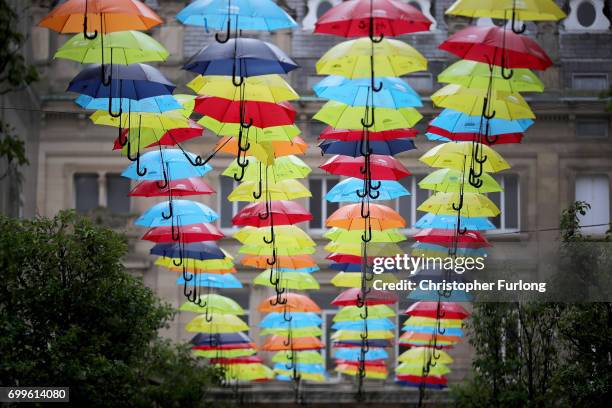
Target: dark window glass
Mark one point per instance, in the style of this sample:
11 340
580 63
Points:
331 207
226 208
316 203
586 14
117 190
511 194
86 191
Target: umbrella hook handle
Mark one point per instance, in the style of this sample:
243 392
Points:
239 177
181 255
286 317
458 207
107 81
523 27
474 179
110 102
485 108
85 34
491 139
273 260
373 38
207 317
170 211
362 315
238 82
367 234
461 231
272 235
123 142
140 172
433 353
185 278
228 34
166 182
257 194
375 186
373 194
506 73
370 122
364 214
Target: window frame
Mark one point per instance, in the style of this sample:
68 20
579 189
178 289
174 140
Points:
324 190
235 206
502 205
576 75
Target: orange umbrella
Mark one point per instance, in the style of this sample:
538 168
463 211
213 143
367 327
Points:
296 146
295 303
103 16
278 343
289 262
352 369
350 217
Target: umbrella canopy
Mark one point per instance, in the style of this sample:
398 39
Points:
381 167
372 372
209 339
307 357
224 353
193 250
188 233
354 149
342 335
262 114
126 47
346 191
264 150
264 88
214 303
446 310
458 122
340 115
454 296
289 189
450 222
295 281
352 313
432 322
166 120
351 59
180 188
453 155
361 325
353 353
248 372
210 281
150 137
277 343
243 57
395 93
451 180
154 104
527 10
200 266
488 43
105 16
294 319
170 164
473 205
296 262
381 218
471 239
386 249
419 370
350 297
340 235
307 331
220 323
256 134
261 15
442 135
348 135
295 303
184 212
283 168
282 212
284 235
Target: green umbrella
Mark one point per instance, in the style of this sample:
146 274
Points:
450 180
289 280
304 357
343 236
213 303
352 313
308 331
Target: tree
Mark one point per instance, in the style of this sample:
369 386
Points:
72 316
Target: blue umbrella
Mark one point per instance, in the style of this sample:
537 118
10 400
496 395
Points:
354 148
346 267
155 104
298 319
357 343
345 191
226 281
352 353
184 212
165 164
194 250
432 137
395 92
260 15
301 270
134 81
448 331
458 122
431 220
308 368
418 385
250 57
373 324
434 296
206 339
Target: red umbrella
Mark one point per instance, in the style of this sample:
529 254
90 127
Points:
390 18
263 114
283 212
188 233
448 310
369 363
505 138
181 187
381 167
446 237
375 297
497 45
353 135
237 360
430 379
171 137
345 258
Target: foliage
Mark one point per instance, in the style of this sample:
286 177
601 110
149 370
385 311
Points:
72 316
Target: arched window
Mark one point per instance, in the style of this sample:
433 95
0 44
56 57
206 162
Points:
586 15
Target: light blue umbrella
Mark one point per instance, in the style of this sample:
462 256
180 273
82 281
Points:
458 122
302 367
298 319
395 92
346 191
301 270
171 161
156 104
432 137
227 280
431 220
260 15
448 331
433 296
373 324
184 212
352 353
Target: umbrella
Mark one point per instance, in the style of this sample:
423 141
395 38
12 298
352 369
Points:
256 134
180 187
342 335
473 74
150 137
224 353
458 122
381 218
306 357
498 46
361 325
450 222
291 262
339 235
529 10
470 204
451 180
284 235
296 281
346 191
289 189
106 16
437 251
261 114
264 88
203 339
446 310
375 249
295 303
167 164
347 134
354 280
387 17
340 115
184 212
395 93
429 321
193 250
240 57
193 264
307 331
453 155
166 120
295 319
277 343
263 150
248 372
353 354
214 303
261 15
352 313
427 339
471 101
188 233
264 249
419 370
122 47
442 135
381 167
282 213
220 323
349 297
351 59
283 168
354 148
454 296
302 368
210 281
471 239
372 372
154 104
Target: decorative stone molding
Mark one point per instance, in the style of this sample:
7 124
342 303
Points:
425 7
586 16
313 7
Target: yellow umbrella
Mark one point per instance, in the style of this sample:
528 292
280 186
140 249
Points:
525 10
351 59
248 372
221 353
269 134
456 155
289 280
353 279
263 88
451 181
289 189
374 249
418 369
220 323
342 335
474 205
191 264
340 235
264 249
284 235
304 376
167 120
430 321
422 354
509 106
370 372
281 168
354 313
342 116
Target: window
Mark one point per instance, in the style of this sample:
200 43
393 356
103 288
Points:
507 201
315 128
117 190
592 128
590 82
595 190
407 205
227 209
316 8
86 192
317 205
586 15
